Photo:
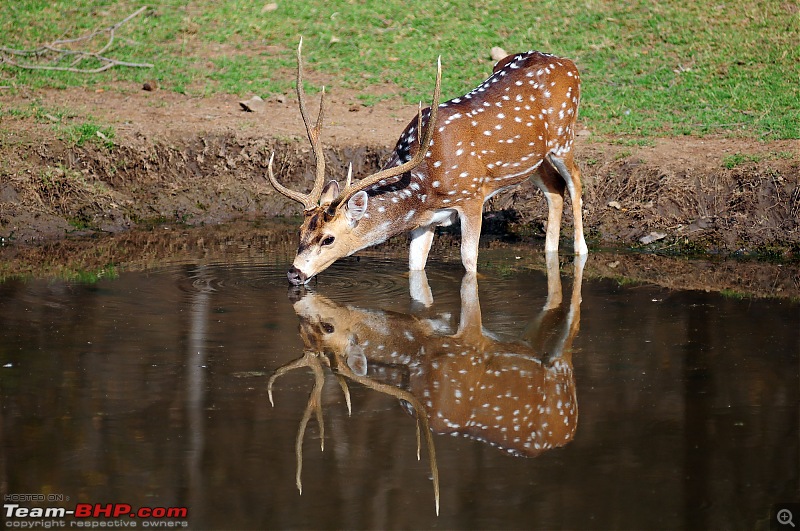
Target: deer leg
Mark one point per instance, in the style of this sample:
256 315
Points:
552 185
471 220
575 299
470 319
571 174
539 331
421 240
419 288
573 317
554 291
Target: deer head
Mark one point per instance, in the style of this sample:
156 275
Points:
332 216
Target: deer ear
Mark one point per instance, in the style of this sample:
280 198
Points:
329 193
356 206
356 359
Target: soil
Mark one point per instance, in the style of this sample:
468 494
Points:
201 160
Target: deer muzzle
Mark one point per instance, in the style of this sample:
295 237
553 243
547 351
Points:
296 276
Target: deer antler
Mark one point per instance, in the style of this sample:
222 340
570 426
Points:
419 156
314 360
311 199
422 418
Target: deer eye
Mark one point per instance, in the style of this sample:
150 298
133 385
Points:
328 241
328 328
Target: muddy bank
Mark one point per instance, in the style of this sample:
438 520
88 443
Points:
57 189
90 258
51 189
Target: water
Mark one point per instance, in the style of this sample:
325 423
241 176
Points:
581 405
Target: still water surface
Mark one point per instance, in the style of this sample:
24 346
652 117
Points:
555 401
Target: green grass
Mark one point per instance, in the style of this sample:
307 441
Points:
733 294
81 133
62 121
649 68
737 159
62 272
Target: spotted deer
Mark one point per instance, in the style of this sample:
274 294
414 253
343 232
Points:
516 395
518 124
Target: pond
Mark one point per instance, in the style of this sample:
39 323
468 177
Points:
535 397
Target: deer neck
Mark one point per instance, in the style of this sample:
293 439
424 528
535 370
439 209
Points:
394 208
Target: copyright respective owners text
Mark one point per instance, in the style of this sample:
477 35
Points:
47 511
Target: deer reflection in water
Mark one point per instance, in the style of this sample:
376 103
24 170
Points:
518 396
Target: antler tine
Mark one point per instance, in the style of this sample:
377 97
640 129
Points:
311 199
422 417
346 391
424 142
309 359
312 360
349 180
304 361
313 133
291 194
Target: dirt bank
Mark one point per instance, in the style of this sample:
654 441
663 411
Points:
203 160
275 242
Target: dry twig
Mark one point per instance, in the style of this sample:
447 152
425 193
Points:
56 47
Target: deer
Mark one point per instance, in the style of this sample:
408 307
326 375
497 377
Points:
517 124
518 396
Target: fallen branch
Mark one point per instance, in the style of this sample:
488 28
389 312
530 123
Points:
55 47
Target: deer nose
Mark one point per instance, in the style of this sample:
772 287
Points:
296 276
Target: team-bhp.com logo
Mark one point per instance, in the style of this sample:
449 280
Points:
93 515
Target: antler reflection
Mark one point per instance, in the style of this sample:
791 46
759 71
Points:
315 360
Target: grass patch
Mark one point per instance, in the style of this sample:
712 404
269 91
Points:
627 282
649 69
737 159
61 272
623 154
734 294
371 99
39 113
80 134
109 272
74 133
633 142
